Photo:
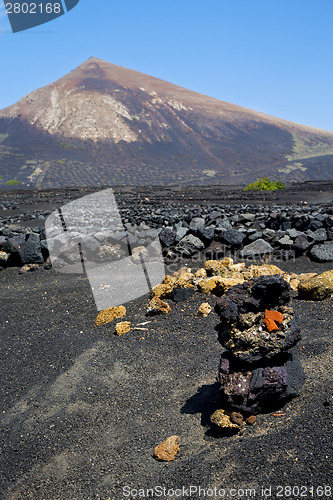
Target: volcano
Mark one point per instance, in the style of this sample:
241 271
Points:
103 124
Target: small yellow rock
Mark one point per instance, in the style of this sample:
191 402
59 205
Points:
264 270
108 315
122 327
201 273
182 271
222 420
157 306
212 267
294 284
168 280
161 291
237 268
204 309
223 284
207 285
167 450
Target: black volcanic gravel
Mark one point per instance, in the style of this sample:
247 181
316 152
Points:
82 409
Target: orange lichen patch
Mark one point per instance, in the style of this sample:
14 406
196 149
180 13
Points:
273 320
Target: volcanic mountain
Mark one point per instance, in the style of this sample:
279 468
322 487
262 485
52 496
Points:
103 124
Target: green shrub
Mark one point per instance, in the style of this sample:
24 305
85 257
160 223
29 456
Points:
13 182
264 184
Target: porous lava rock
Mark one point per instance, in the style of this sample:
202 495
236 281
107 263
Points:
257 329
254 390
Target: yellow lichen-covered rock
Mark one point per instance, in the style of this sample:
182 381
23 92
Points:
227 262
204 309
184 278
183 271
237 268
264 270
222 420
183 282
212 267
161 291
217 284
294 284
223 284
304 276
122 327
319 287
168 280
108 315
200 273
207 285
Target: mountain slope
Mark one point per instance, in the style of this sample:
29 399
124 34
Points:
103 124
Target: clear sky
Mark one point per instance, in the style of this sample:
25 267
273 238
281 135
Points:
267 55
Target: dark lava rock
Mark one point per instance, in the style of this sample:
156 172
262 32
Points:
30 251
167 236
206 235
232 237
257 247
302 243
322 253
256 343
258 294
189 245
182 294
262 388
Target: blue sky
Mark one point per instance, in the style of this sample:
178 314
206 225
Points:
271 56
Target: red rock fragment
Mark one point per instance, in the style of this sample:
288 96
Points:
273 320
275 316
251 419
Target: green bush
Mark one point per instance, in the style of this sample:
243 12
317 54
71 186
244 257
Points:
264 184
13 182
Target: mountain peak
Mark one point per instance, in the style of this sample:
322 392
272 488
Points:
147 130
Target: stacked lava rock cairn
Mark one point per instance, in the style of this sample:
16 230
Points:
257 328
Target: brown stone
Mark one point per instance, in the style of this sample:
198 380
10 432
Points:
251 419
122 327
167 451
157 306
108 315
236 417
204 309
